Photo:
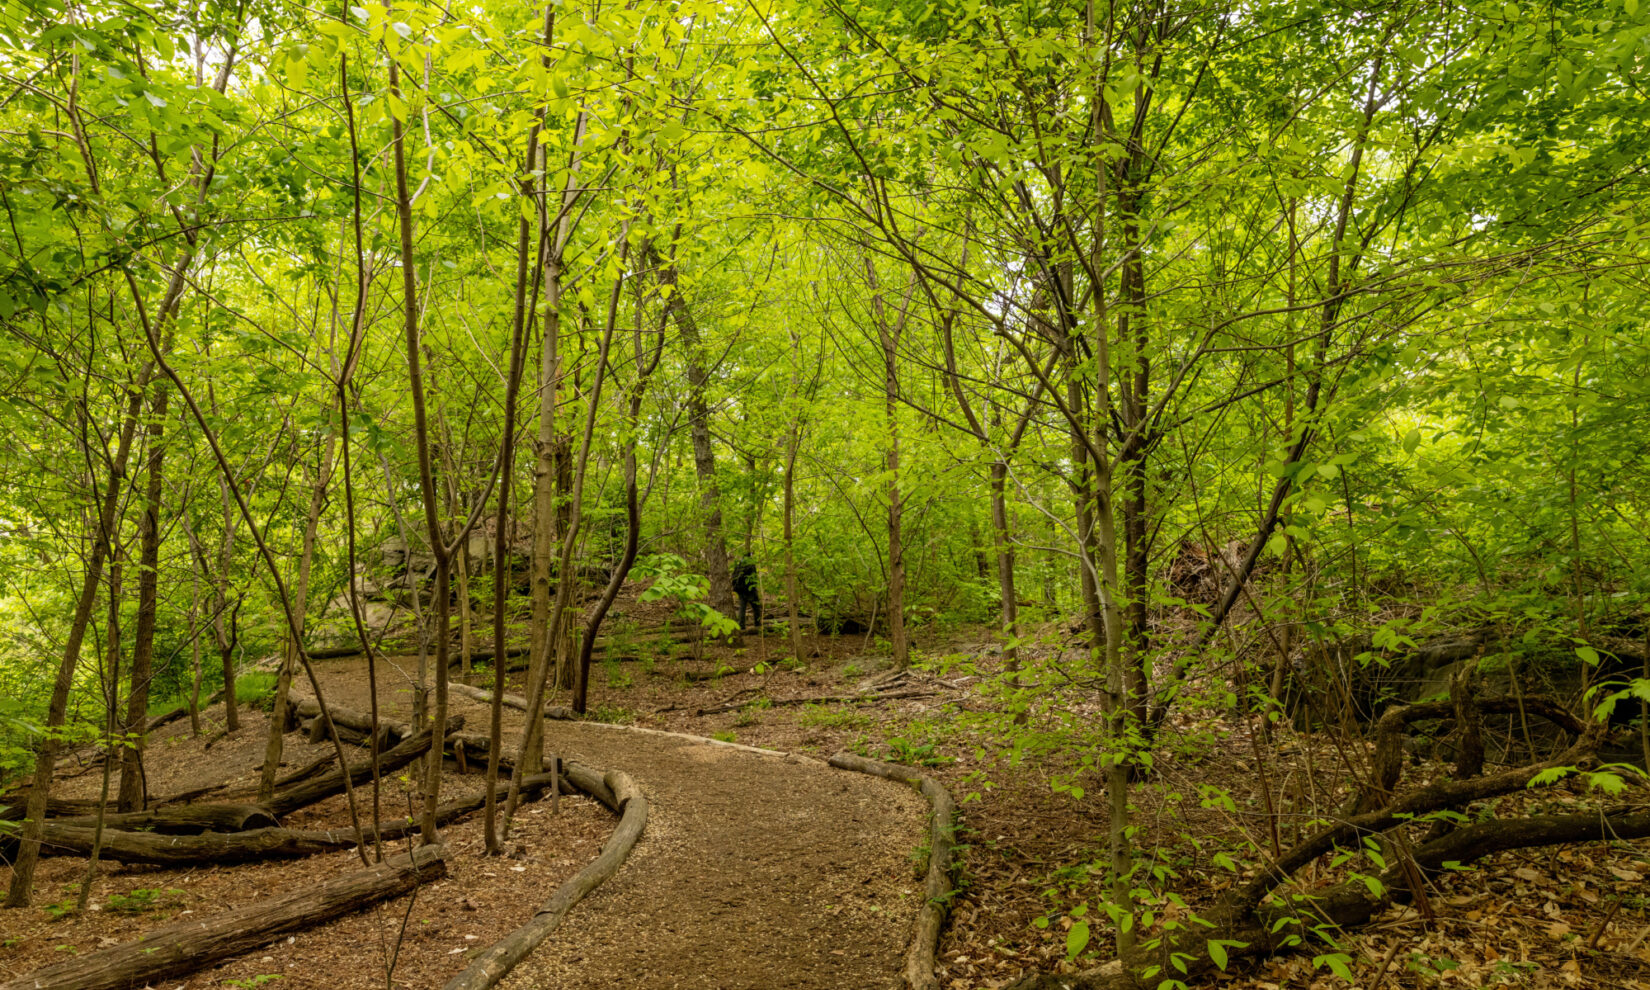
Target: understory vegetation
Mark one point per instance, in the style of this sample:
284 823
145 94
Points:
1237 413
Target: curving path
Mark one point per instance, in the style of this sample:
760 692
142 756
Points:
756 871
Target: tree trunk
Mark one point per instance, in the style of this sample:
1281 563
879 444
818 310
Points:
226 639
22 877
300 608
143 642
621 570
111 722
1002 541
889 332
194 704
791 449
704 454
307 792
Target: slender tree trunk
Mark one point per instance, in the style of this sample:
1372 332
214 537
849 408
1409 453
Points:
143 643
300 608
896 538
426 477
466 623
551 646
889 332
224 632
1002 541
194 645
28 851
704 454
507 460
111 726
791 449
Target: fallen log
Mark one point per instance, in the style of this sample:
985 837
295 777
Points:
192 945
515 701
348 718
183 819
937 888
393 649
192 850
502 956
259 843
319 788
818 699
13 806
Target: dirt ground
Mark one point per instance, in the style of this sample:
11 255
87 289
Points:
763 871
1034 852
431 934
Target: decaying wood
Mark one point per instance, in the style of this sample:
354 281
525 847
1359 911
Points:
305 793
492 965
818 699
348 718
515 701
197 943
255 844
193 850
937 888
184 819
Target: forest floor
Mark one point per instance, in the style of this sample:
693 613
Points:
775 871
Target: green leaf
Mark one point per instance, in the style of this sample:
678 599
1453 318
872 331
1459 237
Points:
1077 939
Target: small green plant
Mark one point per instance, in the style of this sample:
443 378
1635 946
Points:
612 714
142 899
851 670
727 736
615 673
671 582
60 909
925 754
256 688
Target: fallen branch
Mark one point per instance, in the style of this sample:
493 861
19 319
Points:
500 958
1345 906
937 888
195 944
515 701
820 699
308 792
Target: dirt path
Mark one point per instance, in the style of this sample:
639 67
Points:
755 871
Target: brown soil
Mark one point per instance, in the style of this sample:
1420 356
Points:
479 901
767 871
755 870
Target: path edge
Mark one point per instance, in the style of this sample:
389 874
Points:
937 886
494 964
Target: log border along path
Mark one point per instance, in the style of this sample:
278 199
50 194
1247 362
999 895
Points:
757 870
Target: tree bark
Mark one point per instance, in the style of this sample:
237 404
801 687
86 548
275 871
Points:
22 878
704 454
300 608
143 641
